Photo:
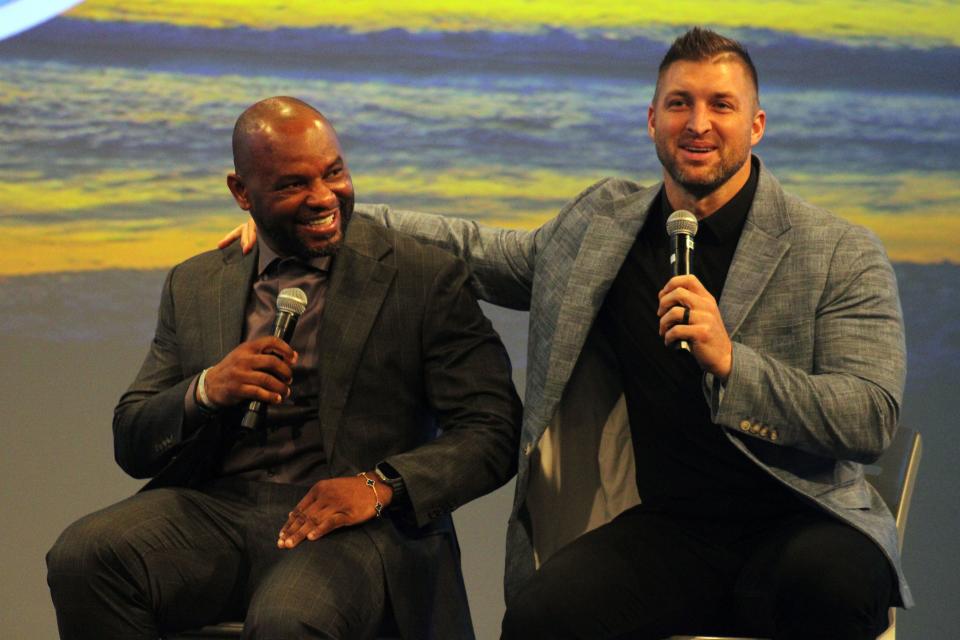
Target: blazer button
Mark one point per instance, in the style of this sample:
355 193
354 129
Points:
528 449
745 425
755 428
774 435
763 432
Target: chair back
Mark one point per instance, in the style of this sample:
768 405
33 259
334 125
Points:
894 475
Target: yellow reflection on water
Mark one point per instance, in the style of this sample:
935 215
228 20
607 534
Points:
50 226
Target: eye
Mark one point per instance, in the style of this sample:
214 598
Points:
335 172
290 185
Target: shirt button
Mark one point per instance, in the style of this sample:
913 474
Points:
745 425
527 449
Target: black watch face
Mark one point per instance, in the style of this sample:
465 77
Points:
387 472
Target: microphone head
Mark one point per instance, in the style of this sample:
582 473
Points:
292 301
682 221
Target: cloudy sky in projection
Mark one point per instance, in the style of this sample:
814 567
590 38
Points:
116 117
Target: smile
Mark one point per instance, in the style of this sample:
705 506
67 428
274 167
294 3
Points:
320 223
695 149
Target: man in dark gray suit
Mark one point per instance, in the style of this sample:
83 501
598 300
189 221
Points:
333 519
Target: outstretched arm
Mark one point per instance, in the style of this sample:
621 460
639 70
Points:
501 260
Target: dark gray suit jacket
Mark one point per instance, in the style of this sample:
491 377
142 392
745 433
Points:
406 349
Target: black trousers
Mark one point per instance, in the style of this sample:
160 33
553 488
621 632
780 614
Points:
650 575
171 559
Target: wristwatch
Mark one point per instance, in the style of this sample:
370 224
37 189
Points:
389 476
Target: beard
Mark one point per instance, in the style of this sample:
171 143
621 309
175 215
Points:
700 186
286 242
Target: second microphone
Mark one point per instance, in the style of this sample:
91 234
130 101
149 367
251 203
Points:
291 304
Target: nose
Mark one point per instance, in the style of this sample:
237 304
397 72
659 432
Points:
699 121
320 196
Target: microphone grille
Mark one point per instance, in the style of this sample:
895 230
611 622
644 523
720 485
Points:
682 221
292 300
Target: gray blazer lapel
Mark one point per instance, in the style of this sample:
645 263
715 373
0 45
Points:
359 281
760 250
606 242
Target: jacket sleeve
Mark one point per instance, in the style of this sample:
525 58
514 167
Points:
501 260
846 406
149 422
468 386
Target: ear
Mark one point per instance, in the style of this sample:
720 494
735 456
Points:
239 190
651 122
758 126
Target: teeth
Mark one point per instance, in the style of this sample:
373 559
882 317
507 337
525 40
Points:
320 222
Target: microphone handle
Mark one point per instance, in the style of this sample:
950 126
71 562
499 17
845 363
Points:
283 328
682 259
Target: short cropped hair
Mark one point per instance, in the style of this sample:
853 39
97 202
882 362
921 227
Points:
698 44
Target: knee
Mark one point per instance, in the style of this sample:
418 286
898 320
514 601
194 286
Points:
84 546
812 590
282 620
834 596
533 613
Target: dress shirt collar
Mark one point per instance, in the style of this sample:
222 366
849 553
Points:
726 222
268 257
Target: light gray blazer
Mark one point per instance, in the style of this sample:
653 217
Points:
819 360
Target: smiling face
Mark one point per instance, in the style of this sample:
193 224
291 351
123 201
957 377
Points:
292 178
704 121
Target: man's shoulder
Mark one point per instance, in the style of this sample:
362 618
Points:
194 273
611 189
208 260
808 218
803 216
813 228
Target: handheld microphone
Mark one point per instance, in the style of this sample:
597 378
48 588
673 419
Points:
681 227
290 306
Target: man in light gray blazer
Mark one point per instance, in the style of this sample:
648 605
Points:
747 452
332 520
756 517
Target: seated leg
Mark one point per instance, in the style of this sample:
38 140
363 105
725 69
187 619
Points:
816 577
160 559
329 588
640 576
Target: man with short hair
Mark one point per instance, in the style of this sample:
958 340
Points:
332 520
747 451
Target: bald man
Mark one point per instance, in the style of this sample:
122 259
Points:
332 519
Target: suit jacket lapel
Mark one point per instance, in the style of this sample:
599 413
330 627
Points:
606 242
230 302
760 250
359 281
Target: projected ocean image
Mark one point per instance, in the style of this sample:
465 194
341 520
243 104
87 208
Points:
115 126
119 161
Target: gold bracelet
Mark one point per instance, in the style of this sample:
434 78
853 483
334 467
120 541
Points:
376 496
